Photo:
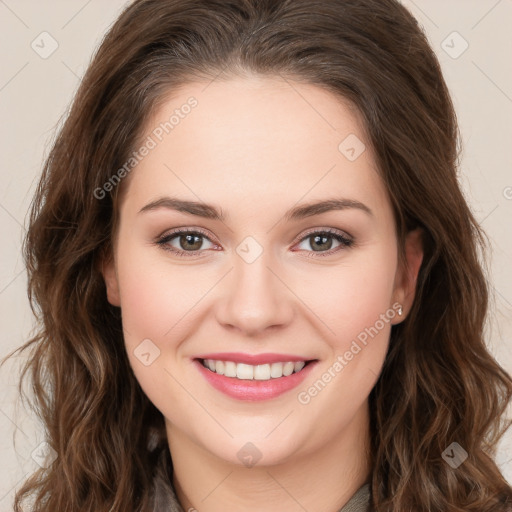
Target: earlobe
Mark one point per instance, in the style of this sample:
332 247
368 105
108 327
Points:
108 270
407 277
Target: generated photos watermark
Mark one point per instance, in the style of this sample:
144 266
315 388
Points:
151 142
304 397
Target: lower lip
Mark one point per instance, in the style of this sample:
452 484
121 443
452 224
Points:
253 390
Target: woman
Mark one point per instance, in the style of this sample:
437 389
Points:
198 348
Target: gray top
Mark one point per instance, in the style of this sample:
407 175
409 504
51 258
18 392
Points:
165 499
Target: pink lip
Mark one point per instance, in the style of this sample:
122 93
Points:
253 359
253 390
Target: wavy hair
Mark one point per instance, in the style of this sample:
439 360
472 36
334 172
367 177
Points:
439 383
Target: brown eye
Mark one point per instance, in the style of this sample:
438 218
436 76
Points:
183 243
192 242
322 242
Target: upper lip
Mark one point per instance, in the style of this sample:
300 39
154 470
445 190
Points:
252 359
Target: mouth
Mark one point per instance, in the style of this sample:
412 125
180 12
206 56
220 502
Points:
268 377
260 372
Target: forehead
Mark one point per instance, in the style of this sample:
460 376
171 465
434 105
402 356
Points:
256 137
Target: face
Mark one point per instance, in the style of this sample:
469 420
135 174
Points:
293 303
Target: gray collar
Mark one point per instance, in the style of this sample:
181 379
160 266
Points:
360 501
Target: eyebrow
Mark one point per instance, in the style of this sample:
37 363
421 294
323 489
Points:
209 211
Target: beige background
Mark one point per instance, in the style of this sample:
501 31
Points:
35 93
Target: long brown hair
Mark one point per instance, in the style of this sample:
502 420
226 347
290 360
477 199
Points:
439 384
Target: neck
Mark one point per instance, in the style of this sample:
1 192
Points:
322 479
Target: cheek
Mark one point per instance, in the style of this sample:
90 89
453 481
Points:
352 296
353 303
160 304
145 305
154 298
356 305
155 295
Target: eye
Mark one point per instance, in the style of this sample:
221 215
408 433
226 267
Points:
189 242
322 241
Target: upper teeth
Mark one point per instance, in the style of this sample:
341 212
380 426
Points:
250 372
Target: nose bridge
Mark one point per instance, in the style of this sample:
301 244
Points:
255 298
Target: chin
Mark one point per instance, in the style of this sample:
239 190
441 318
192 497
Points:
253 451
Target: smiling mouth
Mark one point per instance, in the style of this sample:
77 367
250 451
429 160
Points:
260 372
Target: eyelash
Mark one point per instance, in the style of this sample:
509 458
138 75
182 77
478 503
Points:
345 242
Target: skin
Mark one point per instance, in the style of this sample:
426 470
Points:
256 147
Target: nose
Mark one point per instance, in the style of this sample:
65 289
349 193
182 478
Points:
255 298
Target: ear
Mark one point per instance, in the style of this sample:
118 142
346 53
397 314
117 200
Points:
109 272
407 275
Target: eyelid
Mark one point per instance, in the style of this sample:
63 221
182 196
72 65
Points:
331 231
173 231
